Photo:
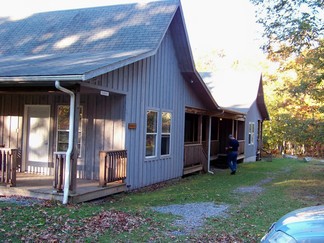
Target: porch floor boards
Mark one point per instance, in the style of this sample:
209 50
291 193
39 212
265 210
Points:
41 186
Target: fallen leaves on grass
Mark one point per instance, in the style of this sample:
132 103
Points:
66 230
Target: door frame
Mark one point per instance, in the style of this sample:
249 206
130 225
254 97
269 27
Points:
26 136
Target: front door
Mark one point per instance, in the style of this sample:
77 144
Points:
37 138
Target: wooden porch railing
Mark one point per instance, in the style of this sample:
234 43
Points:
112 166
8 166
241 147
214 147
59 163
194 154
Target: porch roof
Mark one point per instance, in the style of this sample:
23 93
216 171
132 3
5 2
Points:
236 91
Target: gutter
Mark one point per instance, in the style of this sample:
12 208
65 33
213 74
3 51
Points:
42 78
67 174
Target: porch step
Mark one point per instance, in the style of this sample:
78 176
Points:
99 192
192 169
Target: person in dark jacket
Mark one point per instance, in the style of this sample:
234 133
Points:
232 151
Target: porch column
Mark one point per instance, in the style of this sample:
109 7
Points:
75 141
200 129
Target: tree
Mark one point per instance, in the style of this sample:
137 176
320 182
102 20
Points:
290 26
294 93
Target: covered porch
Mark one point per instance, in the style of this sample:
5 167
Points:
40 186
35 129
14 182
206 138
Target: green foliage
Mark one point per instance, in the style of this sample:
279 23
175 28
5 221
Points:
290 26
294 92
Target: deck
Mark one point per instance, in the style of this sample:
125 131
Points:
39 186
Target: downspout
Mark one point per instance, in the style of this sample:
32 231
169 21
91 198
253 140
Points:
70 147
209 144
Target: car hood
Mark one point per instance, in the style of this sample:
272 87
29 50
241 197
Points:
303 222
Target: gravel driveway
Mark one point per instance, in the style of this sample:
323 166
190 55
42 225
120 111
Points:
192 215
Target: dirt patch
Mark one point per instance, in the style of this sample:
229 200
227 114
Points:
192 215
253 189
249 189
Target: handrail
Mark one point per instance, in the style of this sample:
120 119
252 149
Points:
8 166
194 154
59 162
112 166
241 147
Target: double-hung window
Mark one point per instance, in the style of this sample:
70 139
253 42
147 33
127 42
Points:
158 133
151 133
166 133
251 133
63 122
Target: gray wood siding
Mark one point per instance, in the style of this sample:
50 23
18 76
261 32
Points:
104 129
154 83
253 115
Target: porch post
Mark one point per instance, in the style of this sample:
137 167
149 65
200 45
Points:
75 141
200 126
209 143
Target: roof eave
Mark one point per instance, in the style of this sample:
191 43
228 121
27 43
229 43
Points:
114 66
25 79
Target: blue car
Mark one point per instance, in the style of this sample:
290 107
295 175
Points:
302 225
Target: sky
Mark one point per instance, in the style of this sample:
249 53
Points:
223 24
227 25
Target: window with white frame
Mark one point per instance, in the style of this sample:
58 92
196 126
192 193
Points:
151 133
166 133
63 122
251 132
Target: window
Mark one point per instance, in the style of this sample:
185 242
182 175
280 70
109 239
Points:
151 133
251 133
63 122
166 133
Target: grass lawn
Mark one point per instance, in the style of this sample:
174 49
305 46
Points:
256 196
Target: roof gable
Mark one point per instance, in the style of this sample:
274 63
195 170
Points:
237 90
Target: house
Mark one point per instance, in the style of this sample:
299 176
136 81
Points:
241 91
100 100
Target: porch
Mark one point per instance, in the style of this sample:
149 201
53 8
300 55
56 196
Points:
41 186
195 156
50 187
205 135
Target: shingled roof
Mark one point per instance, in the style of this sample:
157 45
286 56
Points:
237 90
81 41
79 44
